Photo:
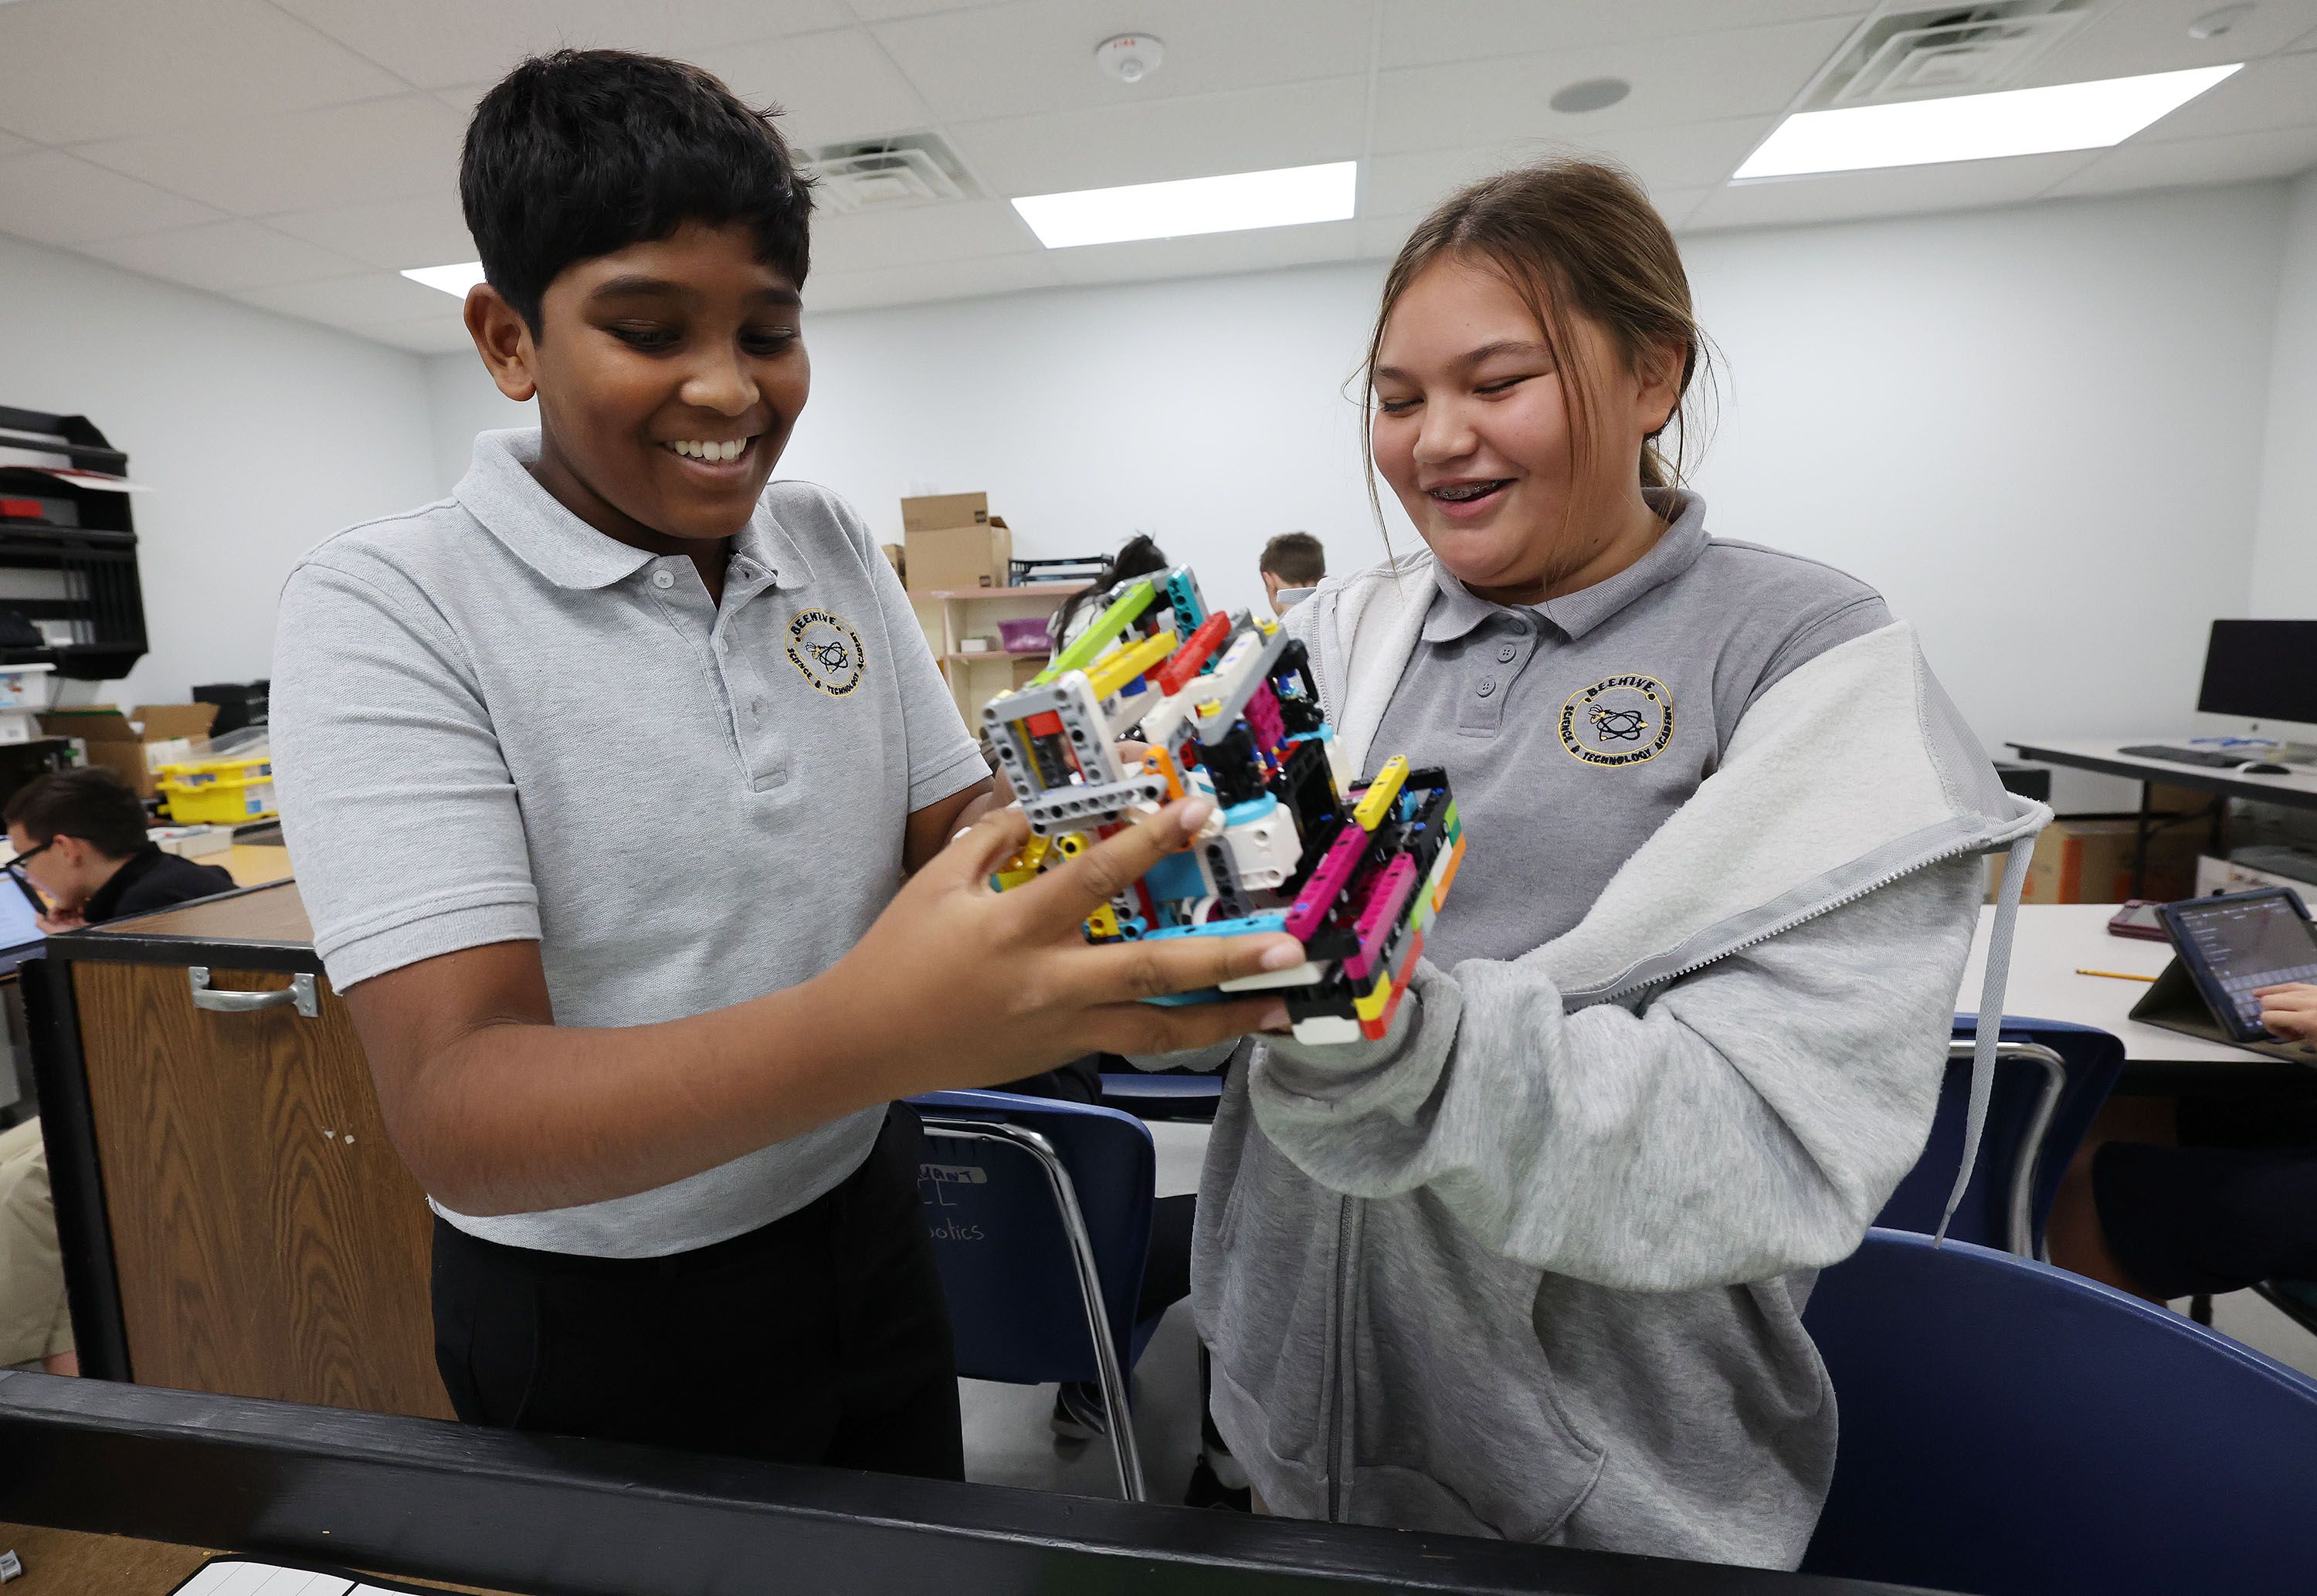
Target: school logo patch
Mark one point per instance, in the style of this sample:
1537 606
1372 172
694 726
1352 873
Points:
1619 720
826 650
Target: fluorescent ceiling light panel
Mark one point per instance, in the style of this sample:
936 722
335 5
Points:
1285 198
451 279
1976 126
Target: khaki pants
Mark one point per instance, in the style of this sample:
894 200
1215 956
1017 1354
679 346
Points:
34 1321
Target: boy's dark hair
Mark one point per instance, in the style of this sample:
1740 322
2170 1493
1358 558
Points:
582 152
1296 558
1140 555
89 803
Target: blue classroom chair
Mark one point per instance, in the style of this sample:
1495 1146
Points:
2050 1078
1040 1212
2010 1429
1149 1096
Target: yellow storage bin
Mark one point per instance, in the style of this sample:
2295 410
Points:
218 792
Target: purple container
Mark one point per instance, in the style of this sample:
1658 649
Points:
1027 636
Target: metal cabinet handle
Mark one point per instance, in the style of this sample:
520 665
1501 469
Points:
300 992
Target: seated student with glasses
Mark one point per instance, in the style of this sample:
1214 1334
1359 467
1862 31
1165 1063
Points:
79 836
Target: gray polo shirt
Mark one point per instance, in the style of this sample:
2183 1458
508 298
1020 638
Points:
1571 729
492 723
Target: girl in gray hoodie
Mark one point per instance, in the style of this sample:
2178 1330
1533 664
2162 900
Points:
1534 1264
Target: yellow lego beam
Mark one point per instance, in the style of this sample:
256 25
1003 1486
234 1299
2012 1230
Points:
1377 799
1108 674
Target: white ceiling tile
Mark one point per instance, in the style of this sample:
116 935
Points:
2152 36
224 257
916 283
1038 55
371 298
1700 156
53 198
957 231
832 86
438 43
1699 77
10 145
1678 205
427 336
332 156
1251 130
2183 162
1379 237
427 230
107 68
2280 91
1842 195
1260 249
1421 32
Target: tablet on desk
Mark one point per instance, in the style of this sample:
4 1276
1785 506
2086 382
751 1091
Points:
2234 945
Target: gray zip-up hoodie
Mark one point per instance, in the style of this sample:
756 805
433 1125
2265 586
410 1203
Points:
1534 1265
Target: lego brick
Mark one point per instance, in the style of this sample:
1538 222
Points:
1113 671
1323 1030
1074 808
1197 649
1369 807
1096 639
1307 973
1318 895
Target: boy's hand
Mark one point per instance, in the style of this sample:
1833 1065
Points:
2289 1010
958 986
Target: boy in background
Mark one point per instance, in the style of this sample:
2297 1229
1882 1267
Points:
1293 564
78 836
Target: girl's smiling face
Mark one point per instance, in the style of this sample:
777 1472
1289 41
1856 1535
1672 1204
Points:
1474 431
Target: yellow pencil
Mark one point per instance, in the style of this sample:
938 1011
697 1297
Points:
2116 975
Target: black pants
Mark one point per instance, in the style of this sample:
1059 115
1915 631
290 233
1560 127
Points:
823 1337
2234 1203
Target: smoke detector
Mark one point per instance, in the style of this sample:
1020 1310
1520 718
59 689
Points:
1129 58
886 174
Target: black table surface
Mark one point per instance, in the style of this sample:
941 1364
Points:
427 1499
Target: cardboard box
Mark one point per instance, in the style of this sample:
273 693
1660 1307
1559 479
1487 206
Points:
2090 862
943 559
937 512
897 557
131 746
2226 875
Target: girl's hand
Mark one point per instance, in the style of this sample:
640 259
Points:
957 985
2289 1010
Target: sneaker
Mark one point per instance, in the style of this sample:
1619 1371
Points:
1206 1489
1078 1413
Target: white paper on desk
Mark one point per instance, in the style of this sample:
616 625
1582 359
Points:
243 1576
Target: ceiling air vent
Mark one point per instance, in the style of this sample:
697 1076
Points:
885 173
1921 53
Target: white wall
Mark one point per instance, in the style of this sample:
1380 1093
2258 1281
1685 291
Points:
259 436
2284 551
2038 430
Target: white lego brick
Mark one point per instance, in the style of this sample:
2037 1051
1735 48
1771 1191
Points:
1265 852
1326 1029
1306 974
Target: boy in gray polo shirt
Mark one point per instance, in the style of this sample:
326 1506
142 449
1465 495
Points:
603 777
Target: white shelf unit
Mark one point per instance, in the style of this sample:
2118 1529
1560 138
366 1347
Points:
950 615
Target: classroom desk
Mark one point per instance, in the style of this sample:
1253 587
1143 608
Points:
2298 789
419 1499
250 864
2052 940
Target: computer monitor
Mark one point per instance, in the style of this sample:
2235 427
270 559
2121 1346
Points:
2262 670
18 924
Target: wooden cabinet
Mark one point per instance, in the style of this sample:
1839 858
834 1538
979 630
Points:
235 1220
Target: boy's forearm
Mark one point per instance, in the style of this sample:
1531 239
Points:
519 1117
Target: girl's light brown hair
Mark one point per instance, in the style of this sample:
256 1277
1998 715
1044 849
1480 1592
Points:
1571 237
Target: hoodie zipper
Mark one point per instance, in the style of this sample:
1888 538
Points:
1779 928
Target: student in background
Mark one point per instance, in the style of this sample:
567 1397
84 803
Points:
626 800
1138 556
1292 565
1533 1264
2198 1196
80 837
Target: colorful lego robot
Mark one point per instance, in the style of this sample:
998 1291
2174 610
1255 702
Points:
1226 707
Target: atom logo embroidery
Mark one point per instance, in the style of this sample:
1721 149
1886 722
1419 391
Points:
827 651
1619 720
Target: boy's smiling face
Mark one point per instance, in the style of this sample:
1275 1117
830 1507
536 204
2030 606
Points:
653 364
